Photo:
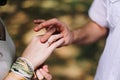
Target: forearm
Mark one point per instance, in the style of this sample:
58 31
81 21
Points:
89 33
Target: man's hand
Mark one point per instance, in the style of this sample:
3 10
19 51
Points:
54 26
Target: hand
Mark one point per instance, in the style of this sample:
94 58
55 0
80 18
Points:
38 52
54 26
43 73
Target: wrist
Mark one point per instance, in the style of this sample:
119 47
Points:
23 67
31 61
73 40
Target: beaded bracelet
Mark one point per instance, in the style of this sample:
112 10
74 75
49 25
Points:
23 67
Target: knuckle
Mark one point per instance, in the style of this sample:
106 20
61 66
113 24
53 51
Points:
56 45
47 33
36 38
52 37
41 25
55 19
49 77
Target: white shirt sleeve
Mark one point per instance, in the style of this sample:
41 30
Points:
98 12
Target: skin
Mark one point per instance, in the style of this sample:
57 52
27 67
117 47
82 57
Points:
43 73
40 73
89 33
36 53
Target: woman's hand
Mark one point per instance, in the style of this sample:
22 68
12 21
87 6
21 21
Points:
43 73
38 52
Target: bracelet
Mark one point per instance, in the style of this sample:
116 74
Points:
23 67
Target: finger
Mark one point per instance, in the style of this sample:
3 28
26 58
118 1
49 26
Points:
34 77
38 21
39 75
46 75
48 23
45 67
56 44
54 38
47 35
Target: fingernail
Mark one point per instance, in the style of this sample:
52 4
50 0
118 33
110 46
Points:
35 29
39 75
42 40
41 70
46 68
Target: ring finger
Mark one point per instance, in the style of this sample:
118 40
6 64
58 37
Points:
54 38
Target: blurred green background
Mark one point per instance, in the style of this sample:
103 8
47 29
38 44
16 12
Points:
73 62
